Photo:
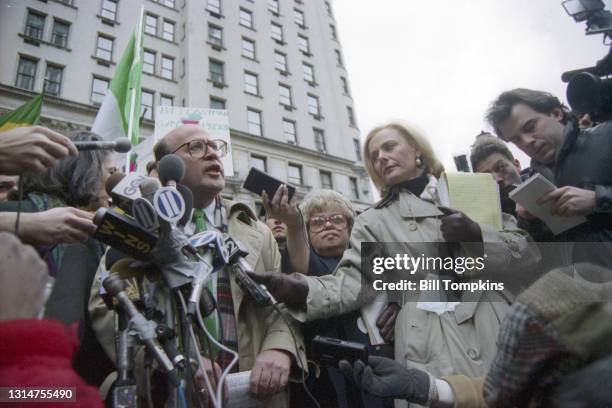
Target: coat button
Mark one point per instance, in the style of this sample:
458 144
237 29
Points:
472 353
412 226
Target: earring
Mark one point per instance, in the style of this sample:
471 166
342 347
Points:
419 162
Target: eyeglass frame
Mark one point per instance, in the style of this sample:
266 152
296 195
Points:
328 219
207 144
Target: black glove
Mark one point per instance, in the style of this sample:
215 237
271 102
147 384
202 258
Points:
292 290
458 227
385 377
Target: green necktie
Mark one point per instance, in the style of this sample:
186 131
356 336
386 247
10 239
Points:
211 321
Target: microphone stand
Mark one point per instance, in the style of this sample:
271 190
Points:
125 392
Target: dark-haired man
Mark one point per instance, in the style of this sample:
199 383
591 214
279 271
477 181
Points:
538 124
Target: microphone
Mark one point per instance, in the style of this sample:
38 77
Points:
188 197
171 169
146 329
239 267
123 233
123 189
121 145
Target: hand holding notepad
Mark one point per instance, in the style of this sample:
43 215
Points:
527 195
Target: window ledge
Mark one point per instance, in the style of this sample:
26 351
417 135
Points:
215 14
162 38
255 95
103 62
163 5
107 21
174 81
288 107
302 26
72 6
216 47
312 83
279 42
216 84
36 42
317 117
306 53
248 28
283 73
250 59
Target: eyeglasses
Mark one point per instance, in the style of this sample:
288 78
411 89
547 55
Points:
199 148
318 223
7 186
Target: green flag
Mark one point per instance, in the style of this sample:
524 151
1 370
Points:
26 114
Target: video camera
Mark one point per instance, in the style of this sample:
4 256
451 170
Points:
589 90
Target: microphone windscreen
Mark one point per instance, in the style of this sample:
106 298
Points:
148 188
170 167
112 182
122 145
188 197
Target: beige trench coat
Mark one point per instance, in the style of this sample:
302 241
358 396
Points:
258 328
457 342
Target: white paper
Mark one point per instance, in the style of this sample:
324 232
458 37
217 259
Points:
530 191
370 314
238 391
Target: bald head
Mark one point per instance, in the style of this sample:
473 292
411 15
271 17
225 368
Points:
176 137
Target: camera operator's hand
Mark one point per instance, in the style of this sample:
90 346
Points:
281 208
32 149
386 321
458 227
56 226
387 378
200 382
567 201
23 276
270 373
292 290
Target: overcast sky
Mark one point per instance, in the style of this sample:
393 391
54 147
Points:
439 64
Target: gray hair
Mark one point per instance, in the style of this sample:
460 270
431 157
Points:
321 200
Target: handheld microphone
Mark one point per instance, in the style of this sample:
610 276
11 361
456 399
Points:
123 233
171 169
239 267
146 329
121 145
123 189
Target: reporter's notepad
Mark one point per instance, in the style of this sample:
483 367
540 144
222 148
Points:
528 193
475 194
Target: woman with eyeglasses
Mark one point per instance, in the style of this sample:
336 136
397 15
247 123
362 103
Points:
435 331
328 217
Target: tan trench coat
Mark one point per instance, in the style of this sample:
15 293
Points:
457 342
258 328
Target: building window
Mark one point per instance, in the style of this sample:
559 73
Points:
273 6
334 34
254 122
151 24
109 9
168 30
339 58
308 73
148 62
289 131
215 35
259 163
59 35
354 188
35 25
251 83
294 174
319 139
146 104
104 48
298 17
98 90
53 79
169 3
246 18
351 116
280 62
248 48
357 147
277 32
26 73
214 6
167 69
166 100
345 87
284 93
215 70
326 180
313 106
303 44
217 103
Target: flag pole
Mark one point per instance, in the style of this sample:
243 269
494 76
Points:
137 47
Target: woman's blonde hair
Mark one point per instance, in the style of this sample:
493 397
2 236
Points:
415 138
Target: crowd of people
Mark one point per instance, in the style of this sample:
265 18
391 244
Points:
548 344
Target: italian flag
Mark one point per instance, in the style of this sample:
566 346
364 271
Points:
119 113
25 115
